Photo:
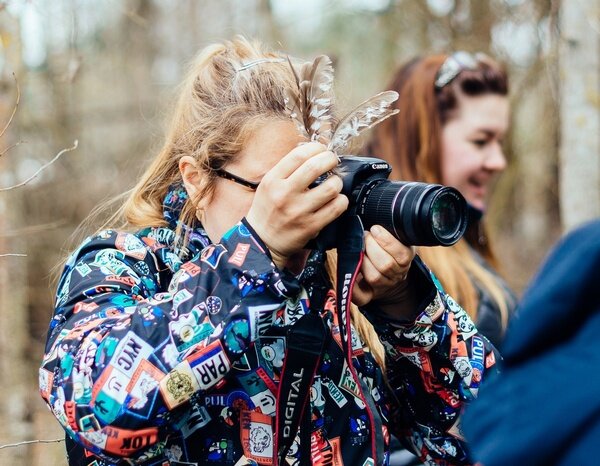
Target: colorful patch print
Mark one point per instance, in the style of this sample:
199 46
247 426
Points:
179 385
123 442
336 394
180 297
317 398
186 332
195 418
239 255
141 268
236 336
84 307
191 269
82 387
83 269
477 359
257 437
348 383
211 255
213 305
295 309
109 262
178 280
145 379
357 345
131 351
359 430
272 351
265 402
46 379
243 231
113 382
249 283
418 357
252 383
219 450
463 322
423 337
122 348
131 245
261 318
210 365
325 452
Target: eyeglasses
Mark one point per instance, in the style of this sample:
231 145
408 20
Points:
454 64
230 176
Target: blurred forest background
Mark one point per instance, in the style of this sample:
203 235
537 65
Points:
104 74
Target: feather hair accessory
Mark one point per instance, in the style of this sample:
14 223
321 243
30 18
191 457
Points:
309 105
366 115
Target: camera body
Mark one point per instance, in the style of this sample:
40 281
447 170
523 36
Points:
418 214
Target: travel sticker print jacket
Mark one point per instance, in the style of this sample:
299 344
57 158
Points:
156 360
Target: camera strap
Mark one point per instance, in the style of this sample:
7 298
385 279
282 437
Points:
306 341
304 349
350 251
307 338
350 256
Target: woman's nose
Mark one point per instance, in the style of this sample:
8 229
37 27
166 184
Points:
495 159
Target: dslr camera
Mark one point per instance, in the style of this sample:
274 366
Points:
418 214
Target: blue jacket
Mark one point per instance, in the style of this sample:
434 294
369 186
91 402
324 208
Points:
543 408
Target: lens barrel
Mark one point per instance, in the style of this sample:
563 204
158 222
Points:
418 214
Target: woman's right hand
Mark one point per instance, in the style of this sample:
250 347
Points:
285 213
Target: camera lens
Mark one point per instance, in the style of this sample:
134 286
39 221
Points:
446 215
418 214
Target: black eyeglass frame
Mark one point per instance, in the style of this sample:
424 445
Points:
221 173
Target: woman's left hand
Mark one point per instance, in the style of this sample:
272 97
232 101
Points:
383 273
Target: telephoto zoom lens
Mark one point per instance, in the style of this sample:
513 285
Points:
418 214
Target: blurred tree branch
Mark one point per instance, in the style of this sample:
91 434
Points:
42 168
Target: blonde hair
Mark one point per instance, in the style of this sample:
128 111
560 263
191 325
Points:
229 90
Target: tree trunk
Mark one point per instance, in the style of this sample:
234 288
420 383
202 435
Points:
14 370
580 115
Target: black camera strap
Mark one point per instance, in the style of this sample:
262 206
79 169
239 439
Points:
350 256
304 349
306 341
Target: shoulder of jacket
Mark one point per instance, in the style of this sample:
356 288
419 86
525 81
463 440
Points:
133 245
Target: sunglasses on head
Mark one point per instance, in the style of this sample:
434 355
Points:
456 63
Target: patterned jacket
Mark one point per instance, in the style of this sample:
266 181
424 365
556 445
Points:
156 359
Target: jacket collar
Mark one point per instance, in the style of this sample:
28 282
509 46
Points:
173 203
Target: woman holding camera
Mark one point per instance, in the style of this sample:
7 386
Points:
201 331
453 117
454 114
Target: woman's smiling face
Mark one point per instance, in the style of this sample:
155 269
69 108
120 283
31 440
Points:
472 146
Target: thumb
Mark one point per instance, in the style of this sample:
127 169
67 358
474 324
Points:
362 293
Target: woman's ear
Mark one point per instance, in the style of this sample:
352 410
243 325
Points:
190 174
194 182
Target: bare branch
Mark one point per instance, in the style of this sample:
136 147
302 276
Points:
42 168
13 255
11 147
33 229
15 107
27 442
